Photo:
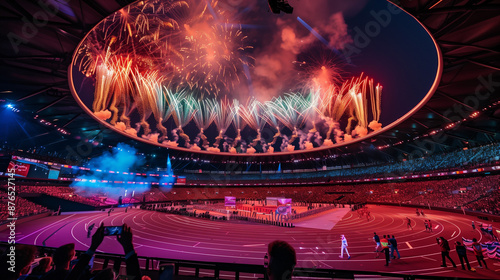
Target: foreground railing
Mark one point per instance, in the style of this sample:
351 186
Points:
153 266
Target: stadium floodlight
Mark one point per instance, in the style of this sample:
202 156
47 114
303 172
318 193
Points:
280 5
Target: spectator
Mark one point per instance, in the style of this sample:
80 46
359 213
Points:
131 260
62 258
44 266
445 251
105 274
282 260
24 256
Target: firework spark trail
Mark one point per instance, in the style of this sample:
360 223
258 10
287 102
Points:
341 104
269 116
142 32
203 116
252 115
181 111
159 107
121 86
332 107
359 91
104 78
236 111
292 110
286 110
147 86
223 118
375 96
238 120
271 119
213 57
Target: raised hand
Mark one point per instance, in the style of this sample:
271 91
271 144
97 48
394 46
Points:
97 238
125 239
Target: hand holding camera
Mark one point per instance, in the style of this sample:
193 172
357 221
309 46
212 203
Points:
123 235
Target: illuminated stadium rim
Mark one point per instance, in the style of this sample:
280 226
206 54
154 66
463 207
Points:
372 134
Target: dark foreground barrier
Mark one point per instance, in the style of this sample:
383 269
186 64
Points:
211 270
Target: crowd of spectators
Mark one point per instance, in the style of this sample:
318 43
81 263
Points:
488 202
22 207
473 193
60 191
457 193
486 155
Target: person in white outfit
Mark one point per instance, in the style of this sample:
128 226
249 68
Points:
344 247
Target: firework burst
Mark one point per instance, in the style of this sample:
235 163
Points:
214 57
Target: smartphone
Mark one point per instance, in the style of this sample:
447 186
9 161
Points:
113 230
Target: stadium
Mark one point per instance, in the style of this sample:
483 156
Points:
230 139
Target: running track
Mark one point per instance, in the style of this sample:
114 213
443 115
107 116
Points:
179 237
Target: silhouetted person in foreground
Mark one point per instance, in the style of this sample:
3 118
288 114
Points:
62 259
24 256
80 271
44 266
282 260
445 251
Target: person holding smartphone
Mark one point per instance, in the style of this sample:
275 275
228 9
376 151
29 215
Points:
124 237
